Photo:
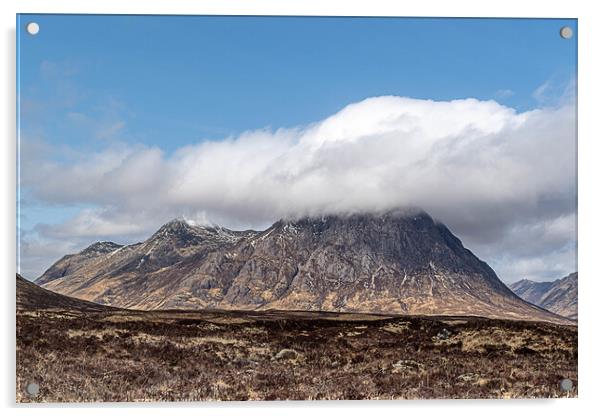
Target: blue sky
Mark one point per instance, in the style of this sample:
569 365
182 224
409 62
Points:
184 79
88 83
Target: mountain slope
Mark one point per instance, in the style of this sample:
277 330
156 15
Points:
142 275
33 297
71 263
398 262
559 296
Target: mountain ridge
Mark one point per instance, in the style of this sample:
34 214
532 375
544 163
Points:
396 262
558 296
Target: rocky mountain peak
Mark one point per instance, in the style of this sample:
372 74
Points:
177 226
571 278
360 219
188 233
370 224
101 247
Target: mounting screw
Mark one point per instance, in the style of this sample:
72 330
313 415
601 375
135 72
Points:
32 28
32 389
566 385
566 32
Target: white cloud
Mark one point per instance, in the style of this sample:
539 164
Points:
504 93
540 93
90 223
556 90
492 174
111 130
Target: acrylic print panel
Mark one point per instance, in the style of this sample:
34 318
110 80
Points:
273 208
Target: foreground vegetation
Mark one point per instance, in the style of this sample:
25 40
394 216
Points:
148 356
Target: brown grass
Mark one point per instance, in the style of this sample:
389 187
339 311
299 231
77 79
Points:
149 356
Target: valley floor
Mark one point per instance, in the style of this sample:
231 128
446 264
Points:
78 356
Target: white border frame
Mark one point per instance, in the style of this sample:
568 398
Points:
589 212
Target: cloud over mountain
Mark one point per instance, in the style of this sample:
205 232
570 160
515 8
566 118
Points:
504 181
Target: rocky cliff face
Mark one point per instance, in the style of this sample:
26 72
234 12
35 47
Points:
559 296
397 262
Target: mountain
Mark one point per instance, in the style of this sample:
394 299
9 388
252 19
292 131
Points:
71 263
398 262
32 297
559 296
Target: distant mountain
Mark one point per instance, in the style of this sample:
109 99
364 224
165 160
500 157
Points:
559 296
398 262
32 297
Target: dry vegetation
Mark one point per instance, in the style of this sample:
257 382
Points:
148 356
